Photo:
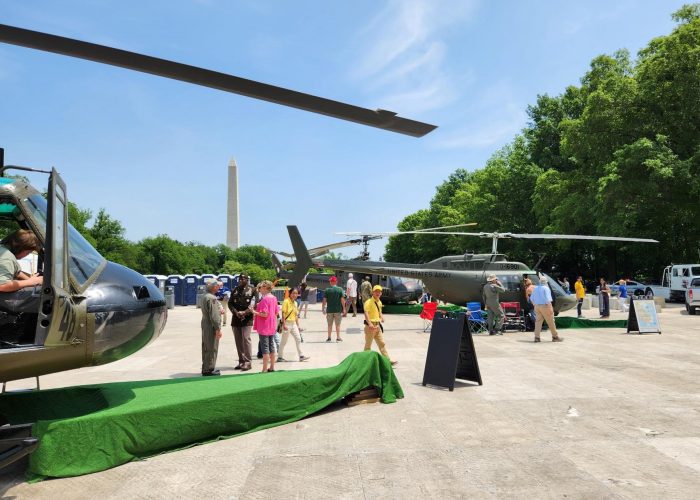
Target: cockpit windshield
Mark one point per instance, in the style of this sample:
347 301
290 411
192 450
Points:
556 287
83 259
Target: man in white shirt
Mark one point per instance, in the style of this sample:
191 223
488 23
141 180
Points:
351 292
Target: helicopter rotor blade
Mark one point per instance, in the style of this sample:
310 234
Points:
380 118
580 237
417 231
527 236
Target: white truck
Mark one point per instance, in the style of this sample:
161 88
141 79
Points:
692 296
674 282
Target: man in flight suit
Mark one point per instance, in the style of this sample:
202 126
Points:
211 327
491 296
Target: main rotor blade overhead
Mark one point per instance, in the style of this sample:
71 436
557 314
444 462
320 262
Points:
380 118
382 235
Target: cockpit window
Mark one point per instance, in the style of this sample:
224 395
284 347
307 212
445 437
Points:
83 259
556 287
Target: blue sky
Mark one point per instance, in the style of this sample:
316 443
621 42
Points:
154 152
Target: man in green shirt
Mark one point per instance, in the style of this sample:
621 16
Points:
333 307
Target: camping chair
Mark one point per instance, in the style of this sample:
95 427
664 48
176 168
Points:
476 318
514 317
428 313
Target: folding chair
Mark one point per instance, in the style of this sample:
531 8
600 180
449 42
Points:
514 317
476 318
428 313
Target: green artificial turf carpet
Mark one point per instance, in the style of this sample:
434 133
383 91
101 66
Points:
94 427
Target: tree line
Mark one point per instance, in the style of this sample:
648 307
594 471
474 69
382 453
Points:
164 255
617 155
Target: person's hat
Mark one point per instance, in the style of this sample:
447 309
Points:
210 282
492 277
243 277
349 275
333 279
543 280
377 287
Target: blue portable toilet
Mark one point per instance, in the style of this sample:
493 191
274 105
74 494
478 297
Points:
158 280
228 280
189 289
204 277
176 281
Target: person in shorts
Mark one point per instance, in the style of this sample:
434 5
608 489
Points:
265 323
333 307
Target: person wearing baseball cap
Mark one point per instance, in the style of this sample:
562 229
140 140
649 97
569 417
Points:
374 331
491 295
241 304
334 308
211 327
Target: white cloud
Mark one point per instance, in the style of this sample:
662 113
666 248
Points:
405 54
497 116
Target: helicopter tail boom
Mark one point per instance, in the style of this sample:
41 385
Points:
302 257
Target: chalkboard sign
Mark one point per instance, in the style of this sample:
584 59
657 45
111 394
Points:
642 316
451 354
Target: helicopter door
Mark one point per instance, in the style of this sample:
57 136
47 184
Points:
61 319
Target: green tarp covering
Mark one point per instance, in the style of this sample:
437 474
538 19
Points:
570 322
94 427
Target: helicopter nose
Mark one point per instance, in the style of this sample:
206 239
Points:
565 302
129 312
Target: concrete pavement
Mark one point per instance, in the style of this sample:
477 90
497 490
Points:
603 414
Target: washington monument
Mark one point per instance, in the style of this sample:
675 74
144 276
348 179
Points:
233 236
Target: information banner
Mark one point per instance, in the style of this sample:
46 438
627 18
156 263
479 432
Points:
643 317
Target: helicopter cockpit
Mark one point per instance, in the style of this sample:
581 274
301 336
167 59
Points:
87 312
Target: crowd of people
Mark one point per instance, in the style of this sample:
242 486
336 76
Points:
256 309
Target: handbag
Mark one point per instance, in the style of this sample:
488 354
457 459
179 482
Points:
280 325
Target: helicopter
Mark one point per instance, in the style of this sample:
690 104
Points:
459 279
92 311
396 289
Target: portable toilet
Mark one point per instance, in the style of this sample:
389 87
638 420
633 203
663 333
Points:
189 289
204 277
176 281
228 280
158 280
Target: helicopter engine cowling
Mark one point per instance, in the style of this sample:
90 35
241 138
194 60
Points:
129 312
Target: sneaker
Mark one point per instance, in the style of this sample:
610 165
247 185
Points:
271 370
280 359
329 339
537 339
245 368
238 367
338 340
304 358
214 373
558 339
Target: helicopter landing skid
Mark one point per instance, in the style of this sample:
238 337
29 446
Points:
16 442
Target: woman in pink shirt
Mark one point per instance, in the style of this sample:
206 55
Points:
265 323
